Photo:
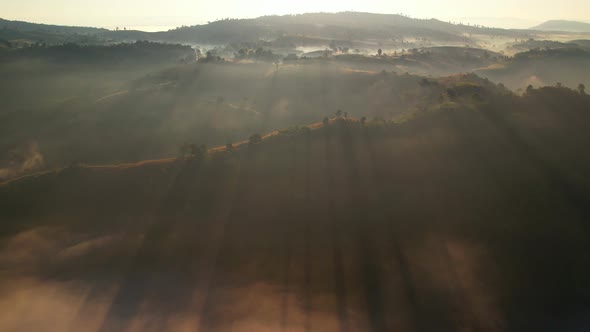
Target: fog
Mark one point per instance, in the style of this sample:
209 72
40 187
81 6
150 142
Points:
91 111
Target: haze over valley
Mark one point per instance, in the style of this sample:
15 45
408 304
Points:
323 171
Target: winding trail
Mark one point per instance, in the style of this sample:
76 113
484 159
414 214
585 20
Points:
163 161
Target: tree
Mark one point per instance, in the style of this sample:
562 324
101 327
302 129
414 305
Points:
255 139
558 85
379 52
338 113
451 93
529 89
219 103
424 82
184 150
333 46
326 121
194 150
582 89
259 52
198 152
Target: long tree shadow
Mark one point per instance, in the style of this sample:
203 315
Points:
397 254
307 239
287 240
370 276
457 294
182 269
209 317
136 280
575 192
337 259
547 282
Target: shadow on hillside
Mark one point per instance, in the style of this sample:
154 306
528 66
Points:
461 225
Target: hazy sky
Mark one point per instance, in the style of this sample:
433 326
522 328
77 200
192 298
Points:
156 13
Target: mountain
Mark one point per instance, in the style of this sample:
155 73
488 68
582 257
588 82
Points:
563 25
471 215
25 33
345 27
568 66
47 28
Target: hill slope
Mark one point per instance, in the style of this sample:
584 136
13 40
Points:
49 28
463 217
569 66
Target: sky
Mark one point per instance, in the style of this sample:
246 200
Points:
161 15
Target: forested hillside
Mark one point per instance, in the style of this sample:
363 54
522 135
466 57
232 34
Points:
471 215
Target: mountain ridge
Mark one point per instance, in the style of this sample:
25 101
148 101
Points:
563 25
25 26
343 25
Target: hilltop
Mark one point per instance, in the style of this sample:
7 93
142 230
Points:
47 28
345 27
565 65
563 25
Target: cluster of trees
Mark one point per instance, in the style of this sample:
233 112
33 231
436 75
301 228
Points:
5 43
255 139
259 53
140 51
193 151
581 88
570 52
403 52
210 56
338 49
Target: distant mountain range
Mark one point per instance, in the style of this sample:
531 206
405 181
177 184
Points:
562 25
47 28
345 26
338 26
